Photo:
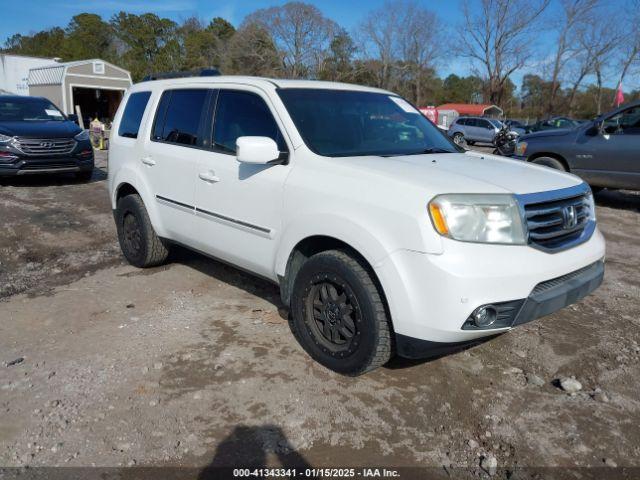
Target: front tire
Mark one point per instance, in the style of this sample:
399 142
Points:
138 240
550 162
338 315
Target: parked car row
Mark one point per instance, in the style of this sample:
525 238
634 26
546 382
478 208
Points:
604 152
470 130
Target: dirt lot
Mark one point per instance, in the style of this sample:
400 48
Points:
193 364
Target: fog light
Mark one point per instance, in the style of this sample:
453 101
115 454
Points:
485 316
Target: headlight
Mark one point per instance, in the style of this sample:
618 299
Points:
521 148
5 138
592 206
492 218
83 135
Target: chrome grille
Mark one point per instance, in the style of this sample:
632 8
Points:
45 146
558 224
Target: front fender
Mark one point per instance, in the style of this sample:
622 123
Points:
344 229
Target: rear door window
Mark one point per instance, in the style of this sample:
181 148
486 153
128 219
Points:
241 114
180 117
132 115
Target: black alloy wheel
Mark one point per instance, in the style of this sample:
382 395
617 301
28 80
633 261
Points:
333 315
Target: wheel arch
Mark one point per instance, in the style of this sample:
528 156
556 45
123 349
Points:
126 182
311 245
124 189
555 156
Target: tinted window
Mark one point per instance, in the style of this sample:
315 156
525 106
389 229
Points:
29 110
241 114
179 117
132 116
340 123
461 121
472 122
483 123
624 123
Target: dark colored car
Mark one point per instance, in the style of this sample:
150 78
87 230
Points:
37 138
552 123
604 152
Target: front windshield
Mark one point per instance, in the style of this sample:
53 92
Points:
347 123
29 110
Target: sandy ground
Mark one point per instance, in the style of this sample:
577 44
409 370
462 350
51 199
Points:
193 364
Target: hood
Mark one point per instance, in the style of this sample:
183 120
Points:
47 129
470 172
554 132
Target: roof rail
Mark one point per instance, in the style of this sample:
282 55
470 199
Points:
204 72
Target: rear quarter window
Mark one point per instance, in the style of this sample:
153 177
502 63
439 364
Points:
132 116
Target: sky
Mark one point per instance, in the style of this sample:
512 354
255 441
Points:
34 15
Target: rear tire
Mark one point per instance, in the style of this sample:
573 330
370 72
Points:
338 315
138 240
550 162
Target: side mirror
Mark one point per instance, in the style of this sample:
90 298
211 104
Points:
73 117
256 150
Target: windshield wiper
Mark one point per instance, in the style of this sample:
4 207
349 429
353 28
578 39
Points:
430 150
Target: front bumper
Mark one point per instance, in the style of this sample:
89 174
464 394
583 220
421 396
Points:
44 165
432 296
546 298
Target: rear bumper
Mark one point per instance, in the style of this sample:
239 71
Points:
546 298
53 165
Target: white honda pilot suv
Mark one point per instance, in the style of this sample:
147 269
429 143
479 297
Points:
384 236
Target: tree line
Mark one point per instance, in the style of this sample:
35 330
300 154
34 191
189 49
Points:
399 46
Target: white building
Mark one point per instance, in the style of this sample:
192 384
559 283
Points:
14 72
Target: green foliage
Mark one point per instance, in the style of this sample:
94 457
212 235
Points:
151 44
338 65
296 39
47 43
88 36
463 89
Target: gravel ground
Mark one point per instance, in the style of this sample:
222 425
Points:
192 364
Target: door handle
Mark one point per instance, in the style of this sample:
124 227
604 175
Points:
209 177
148 161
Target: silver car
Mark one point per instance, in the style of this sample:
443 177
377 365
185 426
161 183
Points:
474 129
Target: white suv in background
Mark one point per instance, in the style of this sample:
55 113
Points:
383 235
